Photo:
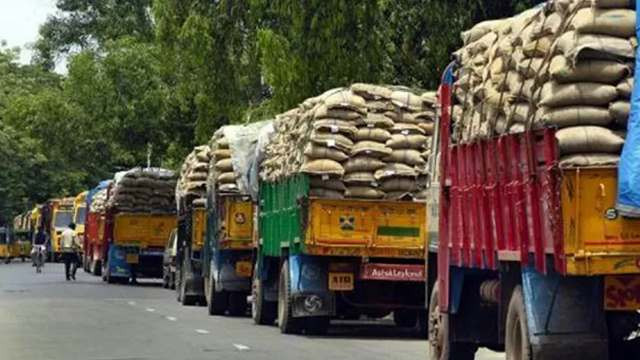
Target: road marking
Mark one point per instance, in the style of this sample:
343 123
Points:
202 331
132 303
171 318
150 309
241 347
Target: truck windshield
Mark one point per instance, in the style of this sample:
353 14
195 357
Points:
62 219
80 214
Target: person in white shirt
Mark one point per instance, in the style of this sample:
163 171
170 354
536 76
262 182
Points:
70 247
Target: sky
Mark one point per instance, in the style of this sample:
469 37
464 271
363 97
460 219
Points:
20 20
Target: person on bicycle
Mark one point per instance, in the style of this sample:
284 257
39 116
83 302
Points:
70 246
39 247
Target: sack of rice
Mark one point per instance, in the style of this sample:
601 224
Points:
323 167
363 192
585 93
370 149
614 22
601 71
619 111
595 159
588 139
363 163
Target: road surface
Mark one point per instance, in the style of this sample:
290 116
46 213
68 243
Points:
42 316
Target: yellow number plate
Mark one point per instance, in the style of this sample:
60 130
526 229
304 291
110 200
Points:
340 281
622 293
243 268
132 258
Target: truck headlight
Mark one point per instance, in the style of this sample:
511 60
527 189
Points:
312 303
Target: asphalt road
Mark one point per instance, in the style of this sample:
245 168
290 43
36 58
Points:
44 317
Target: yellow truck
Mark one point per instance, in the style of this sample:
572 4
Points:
79 213
136 244
61 211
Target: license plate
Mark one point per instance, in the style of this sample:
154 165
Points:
132 259
243 268
340 281
622 293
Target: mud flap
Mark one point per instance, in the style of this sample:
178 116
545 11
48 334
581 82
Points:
565 314
118 266
308 276
223 266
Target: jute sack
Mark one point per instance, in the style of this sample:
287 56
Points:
337 141
395 170
326 194
379 106
588 139
372 134
591 46
363 163
399 141
359 178
407 129
619 111
228 187
323 112
345 100
583 160
601 71
577 115
428 127
614 22
479 30
323 167
407 156
364 192
227 178
316 151
585 93
538 47
335 126
379 120
331 184
611 3
371 92
398 184
625 88
406 100
371 149
519 112
224 165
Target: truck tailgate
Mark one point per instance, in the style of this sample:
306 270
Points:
368 225
143 230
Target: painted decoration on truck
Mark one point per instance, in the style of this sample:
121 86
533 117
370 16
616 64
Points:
392 272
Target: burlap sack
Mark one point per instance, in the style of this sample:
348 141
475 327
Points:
371 92
334 126
395 170
363 163
371 149
589 46
601 71
322 112
363 192
398 184
372 134
588 139
323 167
619 111
359 178
407 129
614 22
326 194
345 100
331 184
316 151
625 88
589 160
558 95
611 3
379 120
227 178
407 156
399 141
577 115
224 165
222 153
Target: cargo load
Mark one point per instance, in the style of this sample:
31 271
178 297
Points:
144 190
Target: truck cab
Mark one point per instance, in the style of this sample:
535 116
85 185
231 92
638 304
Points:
80 213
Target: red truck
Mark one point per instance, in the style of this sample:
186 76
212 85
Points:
95 242
532 258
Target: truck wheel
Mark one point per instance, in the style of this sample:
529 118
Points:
216 302
286 322
185 300
97 268
109 279
517 344
620 325
405 318
237 303
440 346
263 312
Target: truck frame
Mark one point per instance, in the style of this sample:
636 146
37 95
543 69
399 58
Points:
189 275
532 258
319 259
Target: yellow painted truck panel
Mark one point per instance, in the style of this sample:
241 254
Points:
597 240
143 230
366 228
199 223
237 229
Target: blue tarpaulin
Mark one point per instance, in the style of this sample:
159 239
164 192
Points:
629 168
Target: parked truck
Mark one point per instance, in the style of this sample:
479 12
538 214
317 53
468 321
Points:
61 211
140 214
95 242
80 213
22 234
191 217
533 256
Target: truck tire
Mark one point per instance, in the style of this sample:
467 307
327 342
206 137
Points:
186 300
620 325
440 346
108 278
237 303
97 268
405 318
286 322
216 302
517 344
263 312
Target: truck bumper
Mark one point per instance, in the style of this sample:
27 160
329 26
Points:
225 270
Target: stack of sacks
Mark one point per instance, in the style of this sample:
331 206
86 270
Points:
220 164
148 190
192 184
366 142
567 64
99 202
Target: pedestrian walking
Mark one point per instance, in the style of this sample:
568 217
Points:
70 249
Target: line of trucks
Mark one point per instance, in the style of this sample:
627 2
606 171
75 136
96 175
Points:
485 215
